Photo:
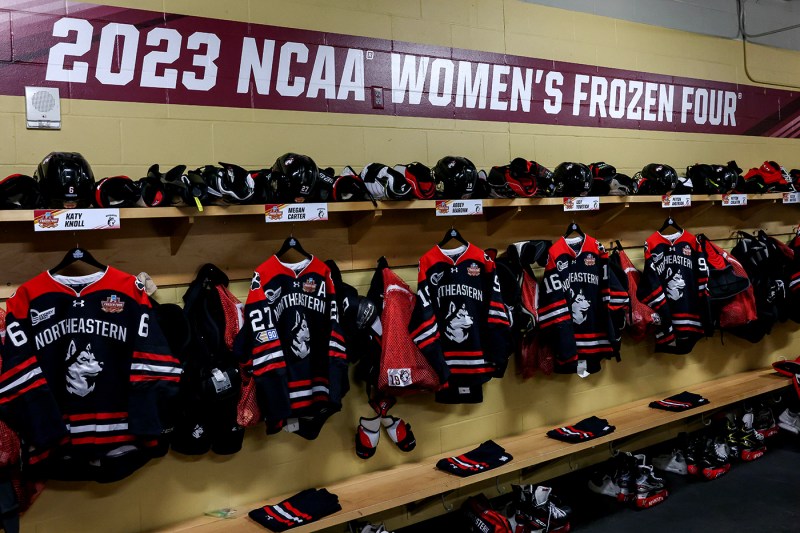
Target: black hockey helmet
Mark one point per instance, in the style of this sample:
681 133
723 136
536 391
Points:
116 191
19 192
294 178
349 187
657 178
712 179
65 180
572 179
455 177
685 185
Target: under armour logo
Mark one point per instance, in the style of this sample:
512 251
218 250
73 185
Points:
296 284
77 303
454 270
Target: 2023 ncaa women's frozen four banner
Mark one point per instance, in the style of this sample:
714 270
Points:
119 54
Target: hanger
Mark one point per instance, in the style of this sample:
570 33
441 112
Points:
669 221
574 228
78 254
450 234
616 245
291 243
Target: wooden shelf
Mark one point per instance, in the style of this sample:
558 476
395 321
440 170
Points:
374 492
349 207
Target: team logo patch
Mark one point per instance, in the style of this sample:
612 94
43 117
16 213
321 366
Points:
562 265
267 335
41 316
436 278
658 257
272 295
47 220
474 270
442 207
589 260
687 250
399 377
309 285
112 304
569 203
274 213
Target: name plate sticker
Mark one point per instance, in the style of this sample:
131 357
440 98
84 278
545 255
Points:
295 212
75 219
791 197
457 208
582 203
734 199
676 200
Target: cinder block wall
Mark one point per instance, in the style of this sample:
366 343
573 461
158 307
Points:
125 138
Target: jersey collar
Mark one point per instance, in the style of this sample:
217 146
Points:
88 280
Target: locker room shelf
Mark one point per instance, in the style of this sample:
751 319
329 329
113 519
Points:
350 207
367 494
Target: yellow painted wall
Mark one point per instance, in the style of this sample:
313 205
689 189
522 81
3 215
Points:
125 138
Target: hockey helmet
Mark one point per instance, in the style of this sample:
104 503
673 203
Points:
769 177
19 192
116 191
230 183
713 179
455 177
657 178
294 178
65 180
572 179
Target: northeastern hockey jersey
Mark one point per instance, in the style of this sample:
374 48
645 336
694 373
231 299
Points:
459 320
583 306
88 380
293 344
674 284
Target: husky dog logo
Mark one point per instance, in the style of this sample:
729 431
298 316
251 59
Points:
256 283
272 295
675 284
300 344
580 306
459 323
82 370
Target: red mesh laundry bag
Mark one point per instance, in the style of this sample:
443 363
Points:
403 368
642 317
739 310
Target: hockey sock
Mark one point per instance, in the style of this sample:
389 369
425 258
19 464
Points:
302 508
400 433
586 429
679 402
485 457
367 435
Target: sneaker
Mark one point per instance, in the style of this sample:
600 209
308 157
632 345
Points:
764 422
789 421
604 485
673 462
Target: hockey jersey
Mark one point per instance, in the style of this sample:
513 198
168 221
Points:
583 306
293 344
674 284
459 320
88 380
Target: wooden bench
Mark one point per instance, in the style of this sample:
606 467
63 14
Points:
371 493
